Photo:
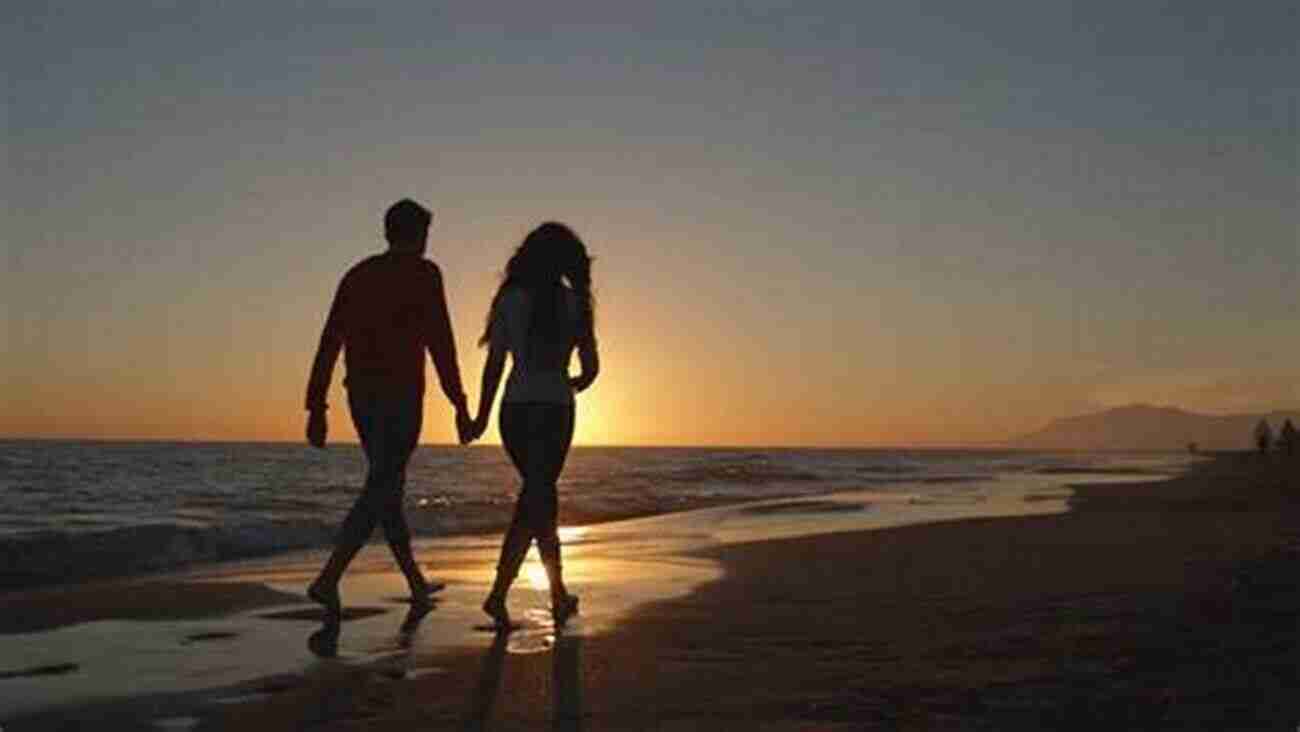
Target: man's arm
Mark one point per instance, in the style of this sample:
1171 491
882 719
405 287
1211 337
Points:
322 368
442 346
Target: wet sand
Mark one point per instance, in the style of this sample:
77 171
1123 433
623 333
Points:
158 599
1160 605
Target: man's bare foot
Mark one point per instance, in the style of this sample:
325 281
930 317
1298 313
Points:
328 598
416 614
421 605
564 607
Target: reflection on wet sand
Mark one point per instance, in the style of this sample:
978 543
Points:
566 683
489 684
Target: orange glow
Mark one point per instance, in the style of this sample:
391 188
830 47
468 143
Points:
535 573
572 533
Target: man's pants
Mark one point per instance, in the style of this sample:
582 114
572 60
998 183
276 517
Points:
389 429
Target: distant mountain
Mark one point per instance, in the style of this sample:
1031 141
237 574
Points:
1144 427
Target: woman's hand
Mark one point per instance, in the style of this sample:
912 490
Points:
590 362
478 426
317 428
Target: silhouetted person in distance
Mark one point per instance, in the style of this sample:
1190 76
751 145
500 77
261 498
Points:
1263 436
389 309
541 313
1288 437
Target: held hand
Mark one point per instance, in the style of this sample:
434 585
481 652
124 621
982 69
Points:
479 426
317 428
464 427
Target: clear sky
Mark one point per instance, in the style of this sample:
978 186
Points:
827 223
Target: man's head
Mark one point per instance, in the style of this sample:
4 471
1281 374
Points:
406 226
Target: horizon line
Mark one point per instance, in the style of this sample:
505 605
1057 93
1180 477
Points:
990 444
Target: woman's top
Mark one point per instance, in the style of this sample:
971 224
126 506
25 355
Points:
530 381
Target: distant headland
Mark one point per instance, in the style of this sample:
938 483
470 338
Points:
1148 427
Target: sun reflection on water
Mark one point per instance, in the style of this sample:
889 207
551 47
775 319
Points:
535 573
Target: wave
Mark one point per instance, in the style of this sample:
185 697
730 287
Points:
55 557
750 473
1095 470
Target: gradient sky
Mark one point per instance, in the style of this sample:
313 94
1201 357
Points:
835 223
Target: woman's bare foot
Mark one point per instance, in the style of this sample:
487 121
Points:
563 607
328 598
495 607
325 642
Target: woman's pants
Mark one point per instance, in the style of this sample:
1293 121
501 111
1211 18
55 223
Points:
537 437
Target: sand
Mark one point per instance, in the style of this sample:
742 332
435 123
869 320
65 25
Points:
1162 605
145 599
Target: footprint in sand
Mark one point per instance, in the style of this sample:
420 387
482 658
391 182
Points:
317 614
209 636
434 588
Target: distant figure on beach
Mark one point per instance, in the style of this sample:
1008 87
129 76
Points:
389 309
542 311
1263 436
1287 438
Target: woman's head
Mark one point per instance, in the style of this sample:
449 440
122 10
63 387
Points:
550 252
551 255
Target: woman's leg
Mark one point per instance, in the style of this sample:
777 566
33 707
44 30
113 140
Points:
514 545
550 449
537 437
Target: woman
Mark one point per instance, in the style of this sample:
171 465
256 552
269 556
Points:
541 312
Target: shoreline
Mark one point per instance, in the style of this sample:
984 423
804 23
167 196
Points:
1191 624
163 546
989 623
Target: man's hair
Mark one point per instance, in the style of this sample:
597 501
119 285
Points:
405 219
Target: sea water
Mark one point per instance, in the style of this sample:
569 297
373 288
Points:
70 511
76 510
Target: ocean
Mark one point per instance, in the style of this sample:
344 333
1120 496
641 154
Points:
72 511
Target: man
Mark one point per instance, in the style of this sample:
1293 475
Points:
388 310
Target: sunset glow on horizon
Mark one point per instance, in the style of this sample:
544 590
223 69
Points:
860 225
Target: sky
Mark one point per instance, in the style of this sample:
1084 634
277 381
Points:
817 223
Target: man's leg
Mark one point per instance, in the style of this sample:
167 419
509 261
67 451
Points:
403 425
362 517
398 534
353 534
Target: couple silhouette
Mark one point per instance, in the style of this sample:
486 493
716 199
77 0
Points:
388 310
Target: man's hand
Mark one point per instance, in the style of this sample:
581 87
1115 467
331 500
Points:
479 426
317 428
464 427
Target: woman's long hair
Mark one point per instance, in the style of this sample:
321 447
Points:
550 255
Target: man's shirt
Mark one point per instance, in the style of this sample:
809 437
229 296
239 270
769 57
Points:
388 310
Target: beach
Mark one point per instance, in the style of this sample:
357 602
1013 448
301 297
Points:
1167 604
